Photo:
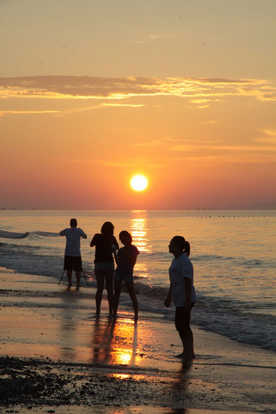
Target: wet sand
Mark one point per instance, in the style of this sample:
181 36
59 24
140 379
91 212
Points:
57 356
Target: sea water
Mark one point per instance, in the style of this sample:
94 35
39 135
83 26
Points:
233 253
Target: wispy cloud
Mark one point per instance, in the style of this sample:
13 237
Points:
200 91
173 143
161 36
133 165
120 105
210 122
268 136
270 132
31 112
223 148
153 37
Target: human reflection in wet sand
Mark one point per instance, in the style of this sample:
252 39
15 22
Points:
102 340
68 326
125 348
114 342
134 346
180 389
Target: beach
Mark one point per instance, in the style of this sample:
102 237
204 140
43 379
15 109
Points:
57 356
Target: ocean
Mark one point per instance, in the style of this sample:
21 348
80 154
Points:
233 253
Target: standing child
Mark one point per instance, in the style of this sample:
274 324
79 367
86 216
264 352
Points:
182 292
126 260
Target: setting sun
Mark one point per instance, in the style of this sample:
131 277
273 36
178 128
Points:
139 182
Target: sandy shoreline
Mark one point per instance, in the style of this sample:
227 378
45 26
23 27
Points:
56 356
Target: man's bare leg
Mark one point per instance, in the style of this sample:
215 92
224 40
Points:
69 276
78 276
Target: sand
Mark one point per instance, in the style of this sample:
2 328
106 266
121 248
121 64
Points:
57 356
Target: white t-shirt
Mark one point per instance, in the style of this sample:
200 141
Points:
181 268
73 235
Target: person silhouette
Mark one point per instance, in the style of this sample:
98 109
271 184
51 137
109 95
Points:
183 294
126 259
106 245
72 256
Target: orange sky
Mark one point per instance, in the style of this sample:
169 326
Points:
205 135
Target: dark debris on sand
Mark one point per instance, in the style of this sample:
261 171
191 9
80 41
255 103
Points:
34 383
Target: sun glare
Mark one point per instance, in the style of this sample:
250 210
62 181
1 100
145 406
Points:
139 182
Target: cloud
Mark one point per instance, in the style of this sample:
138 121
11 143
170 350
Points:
199 91
270 132
210 122
224 148
153 37
161 36
120 105
124 164
31 112
269 136
172 143
187 148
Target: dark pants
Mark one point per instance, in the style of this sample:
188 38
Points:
182 324
182 318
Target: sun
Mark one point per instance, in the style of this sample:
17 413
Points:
139 182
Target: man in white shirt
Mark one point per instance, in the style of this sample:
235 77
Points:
72 256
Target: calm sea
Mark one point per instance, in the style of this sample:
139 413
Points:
233 253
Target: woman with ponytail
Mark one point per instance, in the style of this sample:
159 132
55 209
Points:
183 294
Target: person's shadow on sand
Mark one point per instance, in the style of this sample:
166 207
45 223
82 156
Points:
180 389
102 340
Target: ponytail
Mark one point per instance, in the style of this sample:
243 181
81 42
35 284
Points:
183 244
187 248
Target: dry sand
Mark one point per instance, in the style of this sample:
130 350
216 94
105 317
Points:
56 356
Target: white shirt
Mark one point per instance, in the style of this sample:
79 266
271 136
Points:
73 235
181 268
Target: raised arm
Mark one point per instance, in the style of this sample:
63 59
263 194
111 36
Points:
83 235
93 241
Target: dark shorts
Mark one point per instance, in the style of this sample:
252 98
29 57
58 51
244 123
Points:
73 263
182 318
104 274
104 267
123 276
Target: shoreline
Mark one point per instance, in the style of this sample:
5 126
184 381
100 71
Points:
54 346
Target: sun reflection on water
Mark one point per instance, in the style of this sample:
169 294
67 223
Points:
139 229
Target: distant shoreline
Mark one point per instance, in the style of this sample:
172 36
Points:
134 209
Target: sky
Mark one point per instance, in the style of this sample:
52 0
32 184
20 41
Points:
93 92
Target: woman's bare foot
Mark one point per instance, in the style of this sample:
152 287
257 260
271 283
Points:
182 355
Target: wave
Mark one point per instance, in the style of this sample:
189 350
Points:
231 318
160 256
211 258
30 234
43 234
12 235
